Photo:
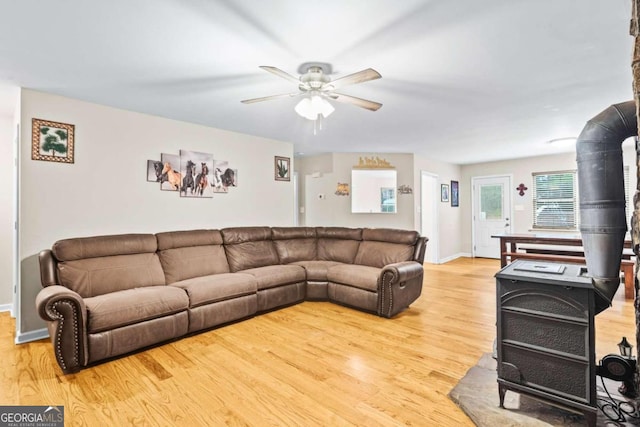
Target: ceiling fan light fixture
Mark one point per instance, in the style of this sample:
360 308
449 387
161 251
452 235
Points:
322 106
311 108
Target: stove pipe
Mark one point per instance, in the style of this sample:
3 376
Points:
602 204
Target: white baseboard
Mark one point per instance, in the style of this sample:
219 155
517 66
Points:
452 257
38 334
6 307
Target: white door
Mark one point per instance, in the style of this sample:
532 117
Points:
491 213
429 199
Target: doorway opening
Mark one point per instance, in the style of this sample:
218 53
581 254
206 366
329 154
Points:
429 202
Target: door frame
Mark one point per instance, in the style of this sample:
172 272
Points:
15 300
433 240
296 200
474 196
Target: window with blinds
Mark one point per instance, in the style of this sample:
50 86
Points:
555 200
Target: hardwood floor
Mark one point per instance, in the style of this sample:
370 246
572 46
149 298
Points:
310 364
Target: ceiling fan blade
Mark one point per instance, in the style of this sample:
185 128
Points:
268 98
351 79
348 99
278 72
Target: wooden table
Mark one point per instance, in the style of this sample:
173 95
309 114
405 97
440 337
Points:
510 251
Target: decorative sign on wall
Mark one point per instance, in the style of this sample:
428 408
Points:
373 163
405 189
52 141
342 189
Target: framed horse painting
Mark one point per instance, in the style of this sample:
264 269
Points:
169 172
196 170
52 141
223 176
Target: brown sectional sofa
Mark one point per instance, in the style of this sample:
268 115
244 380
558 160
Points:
106 296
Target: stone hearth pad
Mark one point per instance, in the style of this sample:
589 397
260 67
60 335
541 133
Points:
477 395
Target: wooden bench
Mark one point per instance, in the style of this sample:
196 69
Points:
560 248
626 265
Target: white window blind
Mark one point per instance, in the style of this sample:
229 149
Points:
555 200
628 208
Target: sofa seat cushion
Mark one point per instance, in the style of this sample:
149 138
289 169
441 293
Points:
217 287
130 306
317 270
359 276
271 276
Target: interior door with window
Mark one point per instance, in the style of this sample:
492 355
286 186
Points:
491 214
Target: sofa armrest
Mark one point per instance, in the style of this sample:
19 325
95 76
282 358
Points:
48 263
399 285
66 314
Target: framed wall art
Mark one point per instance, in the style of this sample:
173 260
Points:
455 196
154 170
170 178
52 141
196 170
282 168
444 192
224 176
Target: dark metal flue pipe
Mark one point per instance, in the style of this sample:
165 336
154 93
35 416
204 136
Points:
602 203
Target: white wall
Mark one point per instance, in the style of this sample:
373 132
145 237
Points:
320 175
333 210
6 213
105 191
522 170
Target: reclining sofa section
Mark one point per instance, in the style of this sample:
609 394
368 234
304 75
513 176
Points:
105 296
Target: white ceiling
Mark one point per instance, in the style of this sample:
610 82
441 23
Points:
463 81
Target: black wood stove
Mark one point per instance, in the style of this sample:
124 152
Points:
546 339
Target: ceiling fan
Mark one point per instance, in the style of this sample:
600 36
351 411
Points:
316 83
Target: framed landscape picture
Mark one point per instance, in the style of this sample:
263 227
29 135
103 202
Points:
52 141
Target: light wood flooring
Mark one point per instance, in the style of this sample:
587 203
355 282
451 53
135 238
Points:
306 365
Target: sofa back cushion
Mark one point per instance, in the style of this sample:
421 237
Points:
295 243
249 247
194 253
93 266
383 246
338 243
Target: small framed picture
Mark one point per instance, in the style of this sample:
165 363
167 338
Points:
52 141
444 192
455 196
282 168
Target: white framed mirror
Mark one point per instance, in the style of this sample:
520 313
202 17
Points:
373 191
